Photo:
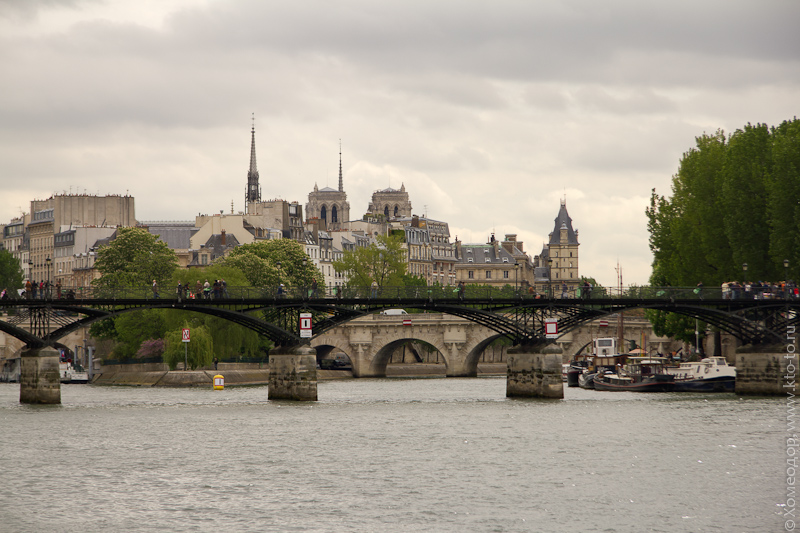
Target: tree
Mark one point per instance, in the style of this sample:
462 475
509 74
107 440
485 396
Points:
382 261
734 201
11 275
134 259
135 327
199 351
268 263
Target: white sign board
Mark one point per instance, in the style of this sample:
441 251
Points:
551 328
185 335
305 325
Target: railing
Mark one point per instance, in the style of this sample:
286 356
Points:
469 292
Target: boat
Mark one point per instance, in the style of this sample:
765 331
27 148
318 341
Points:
602 364
711 374
72 373
638 374
576 368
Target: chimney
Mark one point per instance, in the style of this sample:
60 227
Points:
223 240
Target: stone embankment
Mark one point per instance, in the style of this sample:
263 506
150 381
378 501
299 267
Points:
244 374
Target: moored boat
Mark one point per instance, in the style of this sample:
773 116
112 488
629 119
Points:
72 373
639 374
712 374
600 364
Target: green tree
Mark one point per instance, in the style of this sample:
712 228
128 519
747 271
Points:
783 188
199 351
734 201
268 263
135 327
10 273
382 261
134 259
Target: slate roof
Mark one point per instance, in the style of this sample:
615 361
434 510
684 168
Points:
563 219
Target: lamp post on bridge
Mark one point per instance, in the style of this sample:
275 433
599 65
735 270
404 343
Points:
516 270
549 278
786 279
47 281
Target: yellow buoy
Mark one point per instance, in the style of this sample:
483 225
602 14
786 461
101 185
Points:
219 382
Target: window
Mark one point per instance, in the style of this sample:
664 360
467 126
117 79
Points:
505 274
471 274
488 274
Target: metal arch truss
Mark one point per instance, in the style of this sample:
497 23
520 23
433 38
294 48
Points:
522 321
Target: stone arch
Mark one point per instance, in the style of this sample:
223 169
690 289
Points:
476 350
323 213
334 213
388 343
325 344
396 210
386 210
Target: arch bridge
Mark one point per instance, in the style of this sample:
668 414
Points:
41 322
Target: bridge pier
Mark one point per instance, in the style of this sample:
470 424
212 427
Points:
293 373
768 370
40 381
534 372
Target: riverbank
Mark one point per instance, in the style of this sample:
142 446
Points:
246 374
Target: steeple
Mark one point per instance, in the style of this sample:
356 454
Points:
341 181
253 192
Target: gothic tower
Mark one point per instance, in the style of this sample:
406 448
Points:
563 250
253 192
329 205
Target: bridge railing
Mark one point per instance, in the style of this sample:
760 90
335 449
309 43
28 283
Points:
437 292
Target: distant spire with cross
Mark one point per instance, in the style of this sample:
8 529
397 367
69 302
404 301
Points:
253 192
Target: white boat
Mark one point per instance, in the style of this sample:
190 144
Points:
72 373
712 374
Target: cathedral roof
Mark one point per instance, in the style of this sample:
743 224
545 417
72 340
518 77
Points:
328 189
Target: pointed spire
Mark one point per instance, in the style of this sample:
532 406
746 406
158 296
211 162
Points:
341 180
253 192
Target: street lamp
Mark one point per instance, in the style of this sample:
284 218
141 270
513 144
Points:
549 278
786 278
47 284
516 270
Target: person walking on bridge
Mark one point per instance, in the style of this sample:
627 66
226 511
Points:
155 289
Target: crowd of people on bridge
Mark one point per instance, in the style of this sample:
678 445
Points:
759 290
202 291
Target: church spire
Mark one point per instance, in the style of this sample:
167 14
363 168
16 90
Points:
253 192
341 180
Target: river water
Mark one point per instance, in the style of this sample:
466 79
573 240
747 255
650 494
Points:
391 455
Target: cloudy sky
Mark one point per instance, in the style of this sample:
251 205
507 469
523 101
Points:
490 113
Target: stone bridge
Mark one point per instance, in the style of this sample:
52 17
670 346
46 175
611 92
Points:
369 341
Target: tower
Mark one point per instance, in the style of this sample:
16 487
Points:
329 205
253 192
563 250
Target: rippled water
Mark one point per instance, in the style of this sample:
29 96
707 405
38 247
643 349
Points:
390 455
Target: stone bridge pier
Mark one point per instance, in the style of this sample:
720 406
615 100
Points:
534 372
292 373
40 380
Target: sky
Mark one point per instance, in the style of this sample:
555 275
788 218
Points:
490 113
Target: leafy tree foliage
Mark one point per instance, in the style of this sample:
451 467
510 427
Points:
199 351
150 348
382 261
734 201
134 259
10 273
268 263
135 327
